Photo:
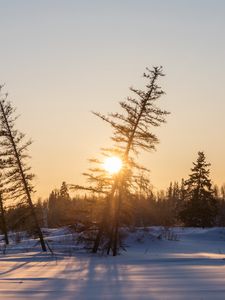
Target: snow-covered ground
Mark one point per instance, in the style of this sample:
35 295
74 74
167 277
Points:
180 264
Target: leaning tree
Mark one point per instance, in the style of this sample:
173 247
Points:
132 132
13 154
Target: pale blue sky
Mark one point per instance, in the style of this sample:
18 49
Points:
62 59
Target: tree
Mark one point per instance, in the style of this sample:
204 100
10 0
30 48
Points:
64 193
60 207
131 134
2 213
13 157
221 206
200 206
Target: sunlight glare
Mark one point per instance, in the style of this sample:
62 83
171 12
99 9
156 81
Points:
112 164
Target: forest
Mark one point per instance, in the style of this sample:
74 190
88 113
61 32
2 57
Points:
118 193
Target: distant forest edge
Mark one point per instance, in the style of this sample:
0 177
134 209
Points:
111 200
171 207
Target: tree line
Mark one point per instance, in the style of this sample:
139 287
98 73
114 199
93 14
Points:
109 202
193 202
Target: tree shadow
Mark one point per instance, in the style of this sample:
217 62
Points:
25 260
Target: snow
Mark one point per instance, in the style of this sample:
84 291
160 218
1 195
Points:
190 265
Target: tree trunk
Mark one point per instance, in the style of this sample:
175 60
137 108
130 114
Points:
103 223
23 178
98 238
4 227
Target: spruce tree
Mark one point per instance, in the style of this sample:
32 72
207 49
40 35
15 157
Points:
200 206
64 192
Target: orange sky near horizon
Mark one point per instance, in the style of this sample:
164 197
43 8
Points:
61 60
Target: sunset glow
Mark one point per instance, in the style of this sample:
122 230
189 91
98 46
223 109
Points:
112 164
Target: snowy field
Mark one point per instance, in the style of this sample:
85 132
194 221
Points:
180 264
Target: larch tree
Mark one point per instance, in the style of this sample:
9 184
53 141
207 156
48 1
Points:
132 132
99 186
13 154
200 205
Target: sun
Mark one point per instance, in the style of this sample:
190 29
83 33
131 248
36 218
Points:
112 164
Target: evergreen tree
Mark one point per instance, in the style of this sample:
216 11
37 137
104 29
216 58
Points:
131 133
200 205
60 207
13 158
64 192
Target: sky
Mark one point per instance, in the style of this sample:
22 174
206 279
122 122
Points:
60 60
